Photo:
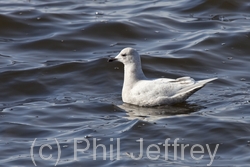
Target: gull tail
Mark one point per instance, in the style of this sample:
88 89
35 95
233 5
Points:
188 91
205 81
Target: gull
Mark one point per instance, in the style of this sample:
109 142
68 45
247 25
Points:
141 91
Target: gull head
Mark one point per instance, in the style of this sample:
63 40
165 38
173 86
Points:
127 56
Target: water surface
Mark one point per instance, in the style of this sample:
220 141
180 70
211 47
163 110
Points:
56 82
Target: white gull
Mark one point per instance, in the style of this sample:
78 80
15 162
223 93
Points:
141 91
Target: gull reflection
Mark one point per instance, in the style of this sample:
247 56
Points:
154 113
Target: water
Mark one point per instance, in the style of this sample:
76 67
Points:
56 85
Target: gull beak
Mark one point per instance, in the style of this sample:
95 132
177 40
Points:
111 59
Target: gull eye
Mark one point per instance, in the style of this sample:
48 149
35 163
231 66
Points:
123 55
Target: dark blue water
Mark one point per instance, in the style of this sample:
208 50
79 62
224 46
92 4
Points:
56 87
